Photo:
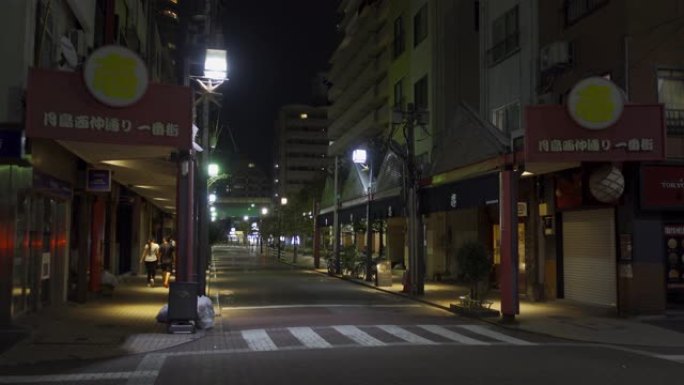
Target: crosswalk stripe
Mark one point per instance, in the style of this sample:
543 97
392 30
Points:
258 340
453 336
358 335
405 334
477 329
308 337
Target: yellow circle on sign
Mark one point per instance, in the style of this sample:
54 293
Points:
116 76
595 103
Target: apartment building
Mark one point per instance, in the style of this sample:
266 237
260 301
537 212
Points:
302 145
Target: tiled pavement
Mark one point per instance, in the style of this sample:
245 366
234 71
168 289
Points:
121 324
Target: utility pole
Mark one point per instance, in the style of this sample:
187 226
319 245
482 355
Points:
415 220
369 226
336 220
203 209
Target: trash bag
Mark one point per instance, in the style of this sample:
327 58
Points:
163 315
109 279
205 312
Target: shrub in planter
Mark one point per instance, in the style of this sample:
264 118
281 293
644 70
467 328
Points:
474 266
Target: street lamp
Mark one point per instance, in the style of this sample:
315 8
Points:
215 72
213 170
264 212
360 156
283 202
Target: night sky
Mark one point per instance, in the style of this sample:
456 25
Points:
275 47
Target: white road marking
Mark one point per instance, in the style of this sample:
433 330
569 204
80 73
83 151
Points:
309 338
313 306
258 340
675 358
357 335
150 363
71 378
405 335
481 330
452 335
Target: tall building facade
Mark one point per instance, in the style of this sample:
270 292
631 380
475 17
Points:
301 147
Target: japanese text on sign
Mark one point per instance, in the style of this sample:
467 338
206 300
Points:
107 124
595 145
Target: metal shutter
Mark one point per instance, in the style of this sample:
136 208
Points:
589 256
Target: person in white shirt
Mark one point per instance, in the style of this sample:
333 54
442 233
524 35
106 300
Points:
150 255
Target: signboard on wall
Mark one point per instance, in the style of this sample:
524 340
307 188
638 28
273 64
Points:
552 136
59 106
662 187
11 144
98 180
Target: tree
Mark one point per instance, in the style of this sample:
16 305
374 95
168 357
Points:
474 266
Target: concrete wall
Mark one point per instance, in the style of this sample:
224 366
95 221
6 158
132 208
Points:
17 22
514 78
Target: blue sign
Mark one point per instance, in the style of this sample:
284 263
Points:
11 144
98 180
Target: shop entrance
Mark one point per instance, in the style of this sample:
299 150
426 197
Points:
40 262
674 265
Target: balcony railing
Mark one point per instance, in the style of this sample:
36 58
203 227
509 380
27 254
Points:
675 121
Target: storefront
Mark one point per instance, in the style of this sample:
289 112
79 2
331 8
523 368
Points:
662 195
457 212
602 246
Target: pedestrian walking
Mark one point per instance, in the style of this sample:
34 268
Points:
167 258
150 256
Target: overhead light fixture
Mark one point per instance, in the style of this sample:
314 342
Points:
216 64
527 173
161 199
118 163
359 156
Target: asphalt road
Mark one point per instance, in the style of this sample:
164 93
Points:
282 325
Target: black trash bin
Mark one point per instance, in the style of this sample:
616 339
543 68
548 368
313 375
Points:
182 307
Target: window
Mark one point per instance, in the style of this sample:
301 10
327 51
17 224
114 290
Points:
398 36
671 94
505 36
399 93
507 118
577 9
420 27
420 93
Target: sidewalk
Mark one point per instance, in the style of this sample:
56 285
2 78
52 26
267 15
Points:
102 327
559 318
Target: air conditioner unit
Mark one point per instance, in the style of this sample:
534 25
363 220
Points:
556 54
78 39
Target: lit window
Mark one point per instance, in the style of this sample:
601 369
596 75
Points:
304 115
171 45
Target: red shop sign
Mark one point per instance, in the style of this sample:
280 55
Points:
662 187
59 106
551 135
